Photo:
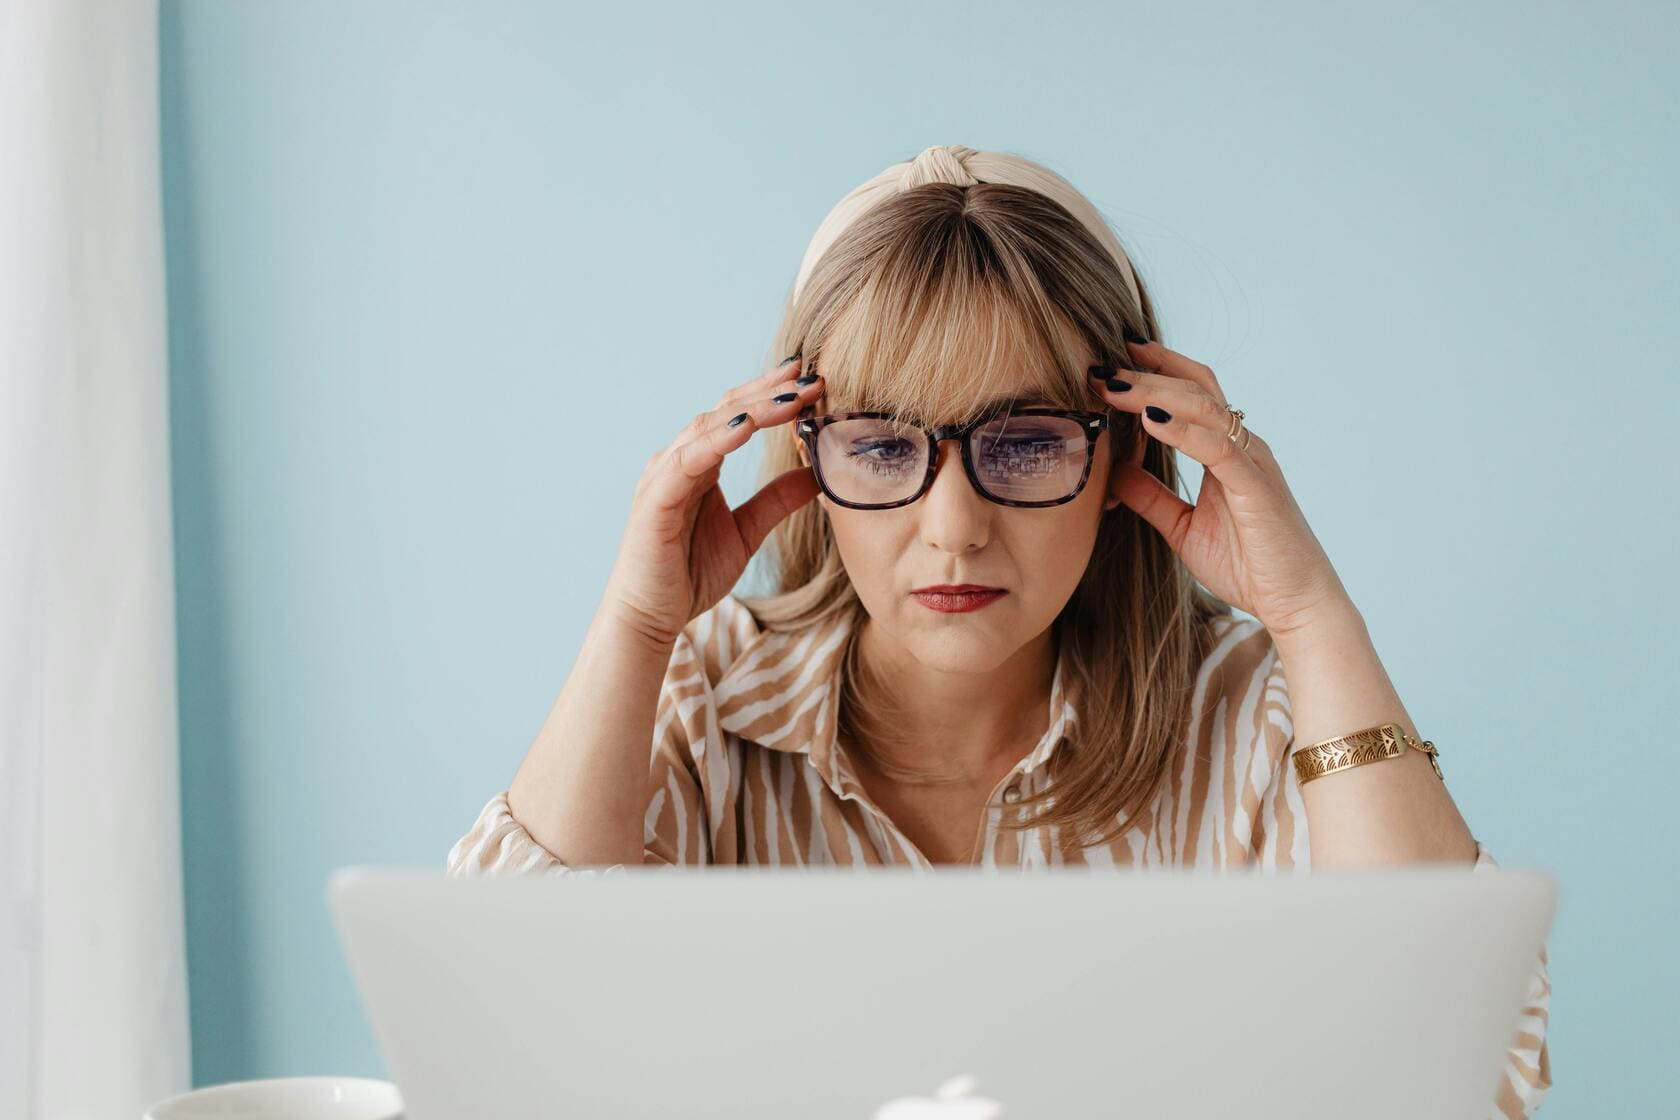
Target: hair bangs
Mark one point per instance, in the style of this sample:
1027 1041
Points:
950 348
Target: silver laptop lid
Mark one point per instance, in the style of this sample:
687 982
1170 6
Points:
957 995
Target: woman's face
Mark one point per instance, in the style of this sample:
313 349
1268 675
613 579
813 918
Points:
952 535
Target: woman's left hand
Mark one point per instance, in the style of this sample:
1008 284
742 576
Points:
1245 539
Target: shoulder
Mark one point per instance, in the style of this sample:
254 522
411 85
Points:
1237 651
1240 684
713 641
687 725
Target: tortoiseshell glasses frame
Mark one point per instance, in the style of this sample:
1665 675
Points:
809 427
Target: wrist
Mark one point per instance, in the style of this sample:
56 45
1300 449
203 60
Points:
1335 624
626 631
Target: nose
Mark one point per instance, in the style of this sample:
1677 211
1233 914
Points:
954 517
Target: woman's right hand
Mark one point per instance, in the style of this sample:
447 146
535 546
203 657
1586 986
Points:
684 548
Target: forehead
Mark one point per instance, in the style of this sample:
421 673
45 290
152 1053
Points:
948 384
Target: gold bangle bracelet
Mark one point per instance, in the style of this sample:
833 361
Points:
1370 745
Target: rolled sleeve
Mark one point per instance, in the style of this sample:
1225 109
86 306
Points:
497 844
1527 1076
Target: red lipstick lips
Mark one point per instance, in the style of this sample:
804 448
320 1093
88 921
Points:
955 598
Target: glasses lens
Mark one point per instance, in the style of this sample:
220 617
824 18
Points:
872 462
1018 458
1029 458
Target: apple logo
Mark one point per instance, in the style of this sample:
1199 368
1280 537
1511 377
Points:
951 1101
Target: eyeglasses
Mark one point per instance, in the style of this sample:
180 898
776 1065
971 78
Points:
1031 457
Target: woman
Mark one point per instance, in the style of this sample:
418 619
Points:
988 645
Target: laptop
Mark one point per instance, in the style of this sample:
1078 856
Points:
956 994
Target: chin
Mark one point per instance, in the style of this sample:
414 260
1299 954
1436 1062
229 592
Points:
946 658
959 643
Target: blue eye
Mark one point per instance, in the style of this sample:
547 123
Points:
879 455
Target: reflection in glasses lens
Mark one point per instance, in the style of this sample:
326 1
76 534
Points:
1017 458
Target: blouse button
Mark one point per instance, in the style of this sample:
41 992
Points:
1012 794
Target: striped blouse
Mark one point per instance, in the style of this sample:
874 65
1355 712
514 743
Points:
746 769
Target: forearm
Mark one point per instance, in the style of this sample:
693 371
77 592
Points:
581 790
1383 813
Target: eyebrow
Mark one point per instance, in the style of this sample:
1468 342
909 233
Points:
1010 399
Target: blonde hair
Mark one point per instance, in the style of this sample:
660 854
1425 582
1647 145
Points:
964 261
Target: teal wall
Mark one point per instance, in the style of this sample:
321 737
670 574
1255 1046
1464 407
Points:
442 276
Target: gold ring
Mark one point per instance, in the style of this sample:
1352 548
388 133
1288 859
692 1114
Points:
1236 423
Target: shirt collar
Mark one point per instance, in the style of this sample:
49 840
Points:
783 689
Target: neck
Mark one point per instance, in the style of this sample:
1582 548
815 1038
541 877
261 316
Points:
959 727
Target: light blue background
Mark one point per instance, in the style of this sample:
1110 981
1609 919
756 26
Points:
442 276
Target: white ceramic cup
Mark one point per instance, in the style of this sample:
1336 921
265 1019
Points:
285 1098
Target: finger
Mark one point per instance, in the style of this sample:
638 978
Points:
787 367
1134 390
788 376
1152 501
1193 432
784 378
688 465
1181 400
785 370
1154 356
771 505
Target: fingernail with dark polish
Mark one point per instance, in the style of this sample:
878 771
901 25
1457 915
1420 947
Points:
738 421
1159 415
783 398
1116 385
787 360
808 379
1101 371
